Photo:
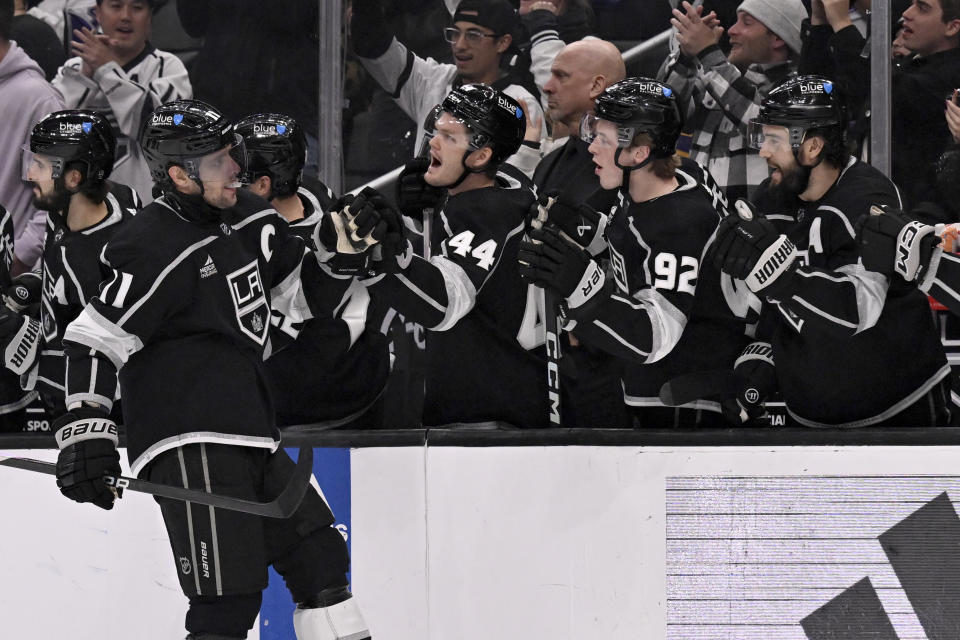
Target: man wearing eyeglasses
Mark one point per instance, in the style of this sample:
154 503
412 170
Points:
481 33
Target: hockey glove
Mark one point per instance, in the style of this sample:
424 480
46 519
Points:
749 248
756 380
890 243
413 193
579 221
25 291
88 451
550 261
20 337
347 231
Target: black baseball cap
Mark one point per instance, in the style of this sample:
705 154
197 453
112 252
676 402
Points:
497 15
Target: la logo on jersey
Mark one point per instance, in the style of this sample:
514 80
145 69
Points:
250 302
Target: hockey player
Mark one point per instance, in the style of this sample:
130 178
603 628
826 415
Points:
184 318
479 314
68 161
336 371
665 303
836 327
119 73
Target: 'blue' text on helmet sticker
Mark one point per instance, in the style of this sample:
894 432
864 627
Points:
177 118
87 127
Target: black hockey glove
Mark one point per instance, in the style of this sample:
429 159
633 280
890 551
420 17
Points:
413 193
550 261
88 451
891 242
756 380
25 291
348 230
579 221
749 248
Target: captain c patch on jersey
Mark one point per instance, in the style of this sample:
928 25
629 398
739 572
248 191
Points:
249 301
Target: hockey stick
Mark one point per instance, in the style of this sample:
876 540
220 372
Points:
283 506
715 383
552 340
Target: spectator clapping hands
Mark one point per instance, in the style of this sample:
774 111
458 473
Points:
836 13
95 49
953 116
695 32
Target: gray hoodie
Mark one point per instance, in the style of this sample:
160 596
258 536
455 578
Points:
25 97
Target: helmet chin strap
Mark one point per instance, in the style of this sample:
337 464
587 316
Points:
463 174
628 169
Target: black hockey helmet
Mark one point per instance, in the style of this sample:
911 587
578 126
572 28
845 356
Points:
799 104
494 119
277 148
183 131
74 135
638 105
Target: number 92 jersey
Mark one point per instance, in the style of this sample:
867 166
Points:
673 312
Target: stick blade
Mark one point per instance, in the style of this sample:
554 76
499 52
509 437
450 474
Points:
718 384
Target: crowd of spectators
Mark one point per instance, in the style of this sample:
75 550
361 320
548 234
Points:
554 57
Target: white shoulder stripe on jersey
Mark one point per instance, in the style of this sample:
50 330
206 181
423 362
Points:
843 218
114 215
287 297
73 276
254 217
666 322
461 294
163 274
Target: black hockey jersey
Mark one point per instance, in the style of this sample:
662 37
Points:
672 311
336 367
72 273
185 318
486 361
850 347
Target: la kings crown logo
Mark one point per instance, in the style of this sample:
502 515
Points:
250 302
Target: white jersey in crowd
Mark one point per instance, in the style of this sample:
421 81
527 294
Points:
419 84
126 95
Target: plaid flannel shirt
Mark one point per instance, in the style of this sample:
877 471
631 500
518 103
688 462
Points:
719 103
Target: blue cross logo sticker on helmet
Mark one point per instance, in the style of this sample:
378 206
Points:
177 118
281 129
519 113
87 127
828 87
667 92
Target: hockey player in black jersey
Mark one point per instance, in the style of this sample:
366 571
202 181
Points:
666 311
183 320
850 348
482 320
336 370
69 159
